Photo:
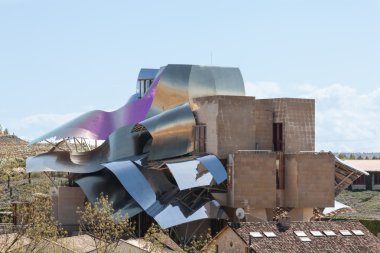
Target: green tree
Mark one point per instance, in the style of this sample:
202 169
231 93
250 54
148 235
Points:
106 228
35 227
352 157
6 132
342 156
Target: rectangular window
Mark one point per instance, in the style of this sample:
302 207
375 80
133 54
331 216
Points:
199 132
277 136
360 180
376 178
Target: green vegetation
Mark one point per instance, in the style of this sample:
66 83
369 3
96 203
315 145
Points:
366 204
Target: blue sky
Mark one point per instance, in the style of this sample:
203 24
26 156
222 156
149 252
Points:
62 58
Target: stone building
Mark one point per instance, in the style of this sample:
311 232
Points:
294 237
190 151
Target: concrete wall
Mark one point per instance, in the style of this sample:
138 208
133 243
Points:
309 180
230 123
69 199
229 241
254 179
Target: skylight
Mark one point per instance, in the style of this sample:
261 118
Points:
255 234
357 232
305 239
345 232
269 234
329 233
316 233
300 233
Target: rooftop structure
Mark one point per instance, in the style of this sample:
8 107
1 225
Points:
315 236
189 148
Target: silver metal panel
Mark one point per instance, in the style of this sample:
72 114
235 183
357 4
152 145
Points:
147 73
179 84
105 182
173 215
190 174
134 182
216 168
121 144
171 132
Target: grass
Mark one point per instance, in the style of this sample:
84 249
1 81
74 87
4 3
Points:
366 204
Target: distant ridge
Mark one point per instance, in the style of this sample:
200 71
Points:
13 146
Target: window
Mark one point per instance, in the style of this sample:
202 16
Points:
360 180
376 178
199 132
143 86
277 137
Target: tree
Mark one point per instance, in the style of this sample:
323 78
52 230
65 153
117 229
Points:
155 241
1 129
342 156
35 227
352 157
6 132
105 228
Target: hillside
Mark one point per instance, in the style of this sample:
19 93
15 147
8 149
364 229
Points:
13 146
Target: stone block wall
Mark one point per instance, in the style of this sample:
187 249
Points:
230 122
254 179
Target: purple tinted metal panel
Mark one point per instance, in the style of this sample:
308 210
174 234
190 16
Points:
99 125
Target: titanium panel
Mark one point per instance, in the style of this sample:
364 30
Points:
105 182
216 168
173 215
134 182
190 174
173 85
179 84
99 124
121 144
172 132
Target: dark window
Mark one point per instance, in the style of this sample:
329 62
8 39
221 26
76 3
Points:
376 178
277 136
360 180
199 138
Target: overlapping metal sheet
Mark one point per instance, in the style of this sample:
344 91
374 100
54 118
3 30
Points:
174 216
197 172
172 132
173 85
190 174
156 127
105 182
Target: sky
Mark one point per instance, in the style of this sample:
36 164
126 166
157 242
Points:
59 59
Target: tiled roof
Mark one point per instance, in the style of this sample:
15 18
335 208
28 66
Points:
288 241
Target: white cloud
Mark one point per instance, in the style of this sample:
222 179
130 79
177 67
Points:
33 126
262 89
347 119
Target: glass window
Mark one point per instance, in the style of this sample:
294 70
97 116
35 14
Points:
360 180
376 178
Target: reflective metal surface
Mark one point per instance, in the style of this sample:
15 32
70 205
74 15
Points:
99 125
179 84
173 85
122 144
156 127
171 132
190 174
216 168
134 182
105 182
173 215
